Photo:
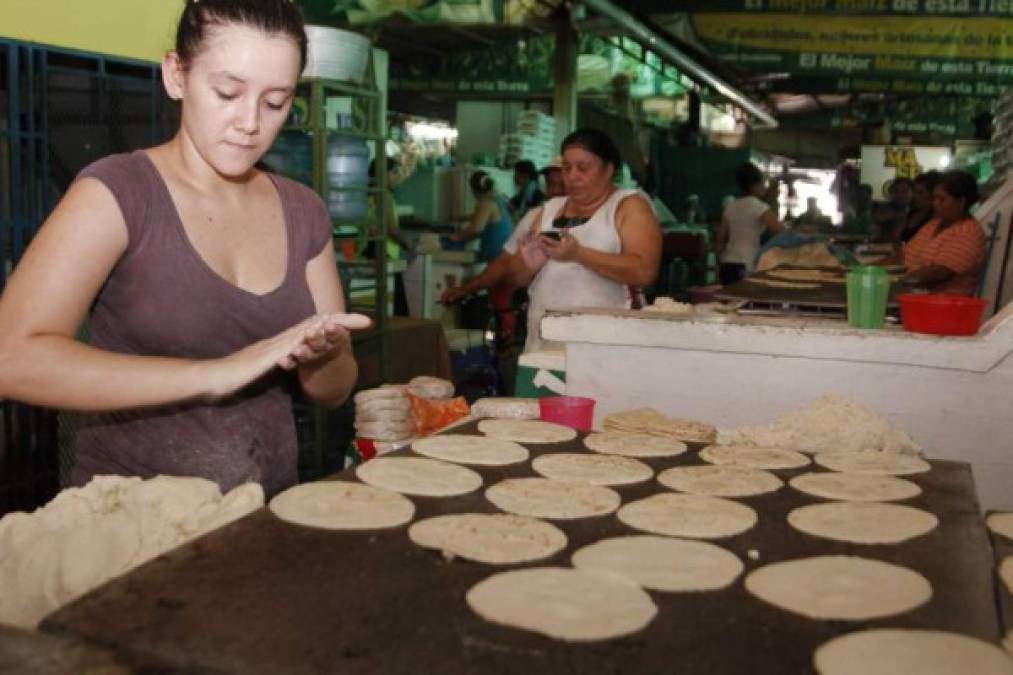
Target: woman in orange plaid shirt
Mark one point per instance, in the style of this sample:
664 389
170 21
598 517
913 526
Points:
947 254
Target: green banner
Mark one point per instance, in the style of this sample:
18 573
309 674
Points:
969 51
873 84
947 118
526 68
959 8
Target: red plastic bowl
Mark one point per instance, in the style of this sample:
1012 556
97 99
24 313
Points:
940 313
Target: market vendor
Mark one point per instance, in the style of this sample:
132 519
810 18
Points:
211 286
528 196
921 207
490 221
590 247
948 252
498 270
743 223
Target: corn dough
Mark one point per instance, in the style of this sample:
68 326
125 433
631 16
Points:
663 563
527 431
720 481
847 588
855 487
830 423
891 651
754 458
695 516
464 449
544 498
563 603
862 522
341 505
496 539
633 444
88 535
419 476
576 467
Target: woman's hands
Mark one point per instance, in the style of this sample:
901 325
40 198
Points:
564 250
306 343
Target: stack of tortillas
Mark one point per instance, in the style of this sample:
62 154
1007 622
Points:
384 414
650 421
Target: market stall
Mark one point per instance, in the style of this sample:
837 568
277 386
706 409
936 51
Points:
949 393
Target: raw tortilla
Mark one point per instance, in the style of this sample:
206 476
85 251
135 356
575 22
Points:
544 498
874 463
425 386
695 516
527 431
810 275
774 283
396 394
755 458
634 444
497 539
419 476
889 651
573 467
1001 523
340 505
650 421
1006 572
840 587
855 487
506 408
720 481
464 449
863 522
563 603
662 563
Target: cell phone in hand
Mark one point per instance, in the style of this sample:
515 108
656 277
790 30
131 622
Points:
552 234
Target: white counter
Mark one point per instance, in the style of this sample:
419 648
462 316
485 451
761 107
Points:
951 394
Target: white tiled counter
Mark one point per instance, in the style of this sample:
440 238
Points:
953 395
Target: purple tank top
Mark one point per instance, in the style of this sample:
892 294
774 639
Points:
162 299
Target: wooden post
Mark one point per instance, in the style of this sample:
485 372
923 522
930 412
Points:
564 102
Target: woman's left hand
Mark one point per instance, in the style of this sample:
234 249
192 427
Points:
320 339
564 250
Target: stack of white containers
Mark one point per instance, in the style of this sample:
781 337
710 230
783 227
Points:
336 54
534 140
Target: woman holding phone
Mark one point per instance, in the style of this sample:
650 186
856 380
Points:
593 247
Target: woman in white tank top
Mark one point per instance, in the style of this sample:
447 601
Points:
608 239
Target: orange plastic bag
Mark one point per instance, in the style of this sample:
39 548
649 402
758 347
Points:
430 415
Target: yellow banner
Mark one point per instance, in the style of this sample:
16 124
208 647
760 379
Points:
972 38
134 29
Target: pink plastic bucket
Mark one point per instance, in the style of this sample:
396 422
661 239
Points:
572 411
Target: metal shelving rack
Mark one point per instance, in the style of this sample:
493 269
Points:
369 124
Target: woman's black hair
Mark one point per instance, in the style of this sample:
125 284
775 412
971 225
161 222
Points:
596 142
960 185
527 168
481 182
901 181
273 17
929 179
746 176
391 165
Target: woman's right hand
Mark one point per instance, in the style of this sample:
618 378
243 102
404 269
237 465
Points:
532 252
231 373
